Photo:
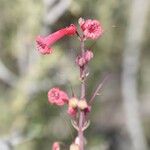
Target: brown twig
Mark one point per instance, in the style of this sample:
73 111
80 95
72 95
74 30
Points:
100 86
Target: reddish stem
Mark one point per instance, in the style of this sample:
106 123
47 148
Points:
81 114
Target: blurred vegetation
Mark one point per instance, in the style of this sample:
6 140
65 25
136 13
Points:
23 91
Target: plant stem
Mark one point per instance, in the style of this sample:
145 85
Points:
98 89
81 114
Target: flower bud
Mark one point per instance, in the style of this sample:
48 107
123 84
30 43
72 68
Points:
73 102
87 110
84 58
81 21
80 61
88 55
56 146
74 147
77 140
72 111
82 104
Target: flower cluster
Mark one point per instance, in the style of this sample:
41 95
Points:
77 107
60 98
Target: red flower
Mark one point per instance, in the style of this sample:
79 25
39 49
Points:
91 28
57 97
44 43
55 146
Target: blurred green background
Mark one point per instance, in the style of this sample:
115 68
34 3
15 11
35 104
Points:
27 121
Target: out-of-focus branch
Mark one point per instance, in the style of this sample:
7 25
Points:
10 141
5 145
49 3
56 11
6 75
130 67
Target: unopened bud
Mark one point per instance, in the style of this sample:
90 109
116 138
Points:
72 111
82 104
84 58
81 21
80 61
88 55
74 147
77 140
56 146
73 102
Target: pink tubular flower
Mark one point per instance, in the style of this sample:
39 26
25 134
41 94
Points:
57 97
83 59
72 111
44 43
91 28
55 146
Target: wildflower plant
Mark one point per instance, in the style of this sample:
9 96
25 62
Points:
78 107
